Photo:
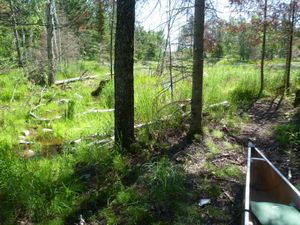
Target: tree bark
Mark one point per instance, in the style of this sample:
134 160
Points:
51 74
263 51
290 46
124 88
112 24
24 45
197 89
17 43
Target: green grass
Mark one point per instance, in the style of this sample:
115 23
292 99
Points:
49 189
289 133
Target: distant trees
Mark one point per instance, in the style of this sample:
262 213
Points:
148 44
197 89
124 60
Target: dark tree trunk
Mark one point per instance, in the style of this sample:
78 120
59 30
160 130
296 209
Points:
263 50
16 34
290 46
197 89
124 88
51 74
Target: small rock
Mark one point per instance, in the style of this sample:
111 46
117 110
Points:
24 142
47 130
77 141
85 177
26 133
204 202
28 154
81 220
22 138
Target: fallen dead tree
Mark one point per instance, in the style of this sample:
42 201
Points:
75 79
42 119
183 103
107 139
95 111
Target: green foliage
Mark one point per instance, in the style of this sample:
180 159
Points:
49 188
148 44
165 181
70 110
288 133
297 185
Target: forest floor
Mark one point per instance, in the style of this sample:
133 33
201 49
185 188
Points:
213 162
164 178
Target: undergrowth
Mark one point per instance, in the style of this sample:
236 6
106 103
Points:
66 179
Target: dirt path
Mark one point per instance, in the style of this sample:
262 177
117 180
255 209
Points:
216 163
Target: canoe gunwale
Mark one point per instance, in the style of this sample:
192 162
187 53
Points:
256 156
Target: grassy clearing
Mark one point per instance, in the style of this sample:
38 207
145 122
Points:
101 183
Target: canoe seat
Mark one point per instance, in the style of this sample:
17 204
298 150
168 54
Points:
269 213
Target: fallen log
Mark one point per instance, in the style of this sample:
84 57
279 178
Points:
75 79
224 104
96 111
108 139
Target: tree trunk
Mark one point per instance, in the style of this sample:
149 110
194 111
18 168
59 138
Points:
263 51
112 24
24 45
31 46
17 43
124 88
170 51
51 74
290 47
57 40
197 89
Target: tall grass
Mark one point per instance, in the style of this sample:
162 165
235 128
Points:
47 190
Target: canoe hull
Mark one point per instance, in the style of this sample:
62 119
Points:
264 183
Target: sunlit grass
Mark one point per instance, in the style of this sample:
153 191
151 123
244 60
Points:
47 188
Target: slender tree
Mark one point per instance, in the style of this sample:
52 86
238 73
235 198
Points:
124 89
15 30
197 89
49 16
263 50
290 46
169 24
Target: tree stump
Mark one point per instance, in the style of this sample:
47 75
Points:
98 91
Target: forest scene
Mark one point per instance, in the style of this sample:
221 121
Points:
156 112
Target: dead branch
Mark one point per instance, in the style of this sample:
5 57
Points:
31 113
71 80
96 111
14 91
